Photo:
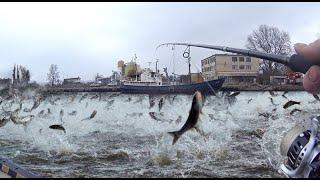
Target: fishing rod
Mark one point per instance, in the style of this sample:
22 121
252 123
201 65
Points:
300 145
295 62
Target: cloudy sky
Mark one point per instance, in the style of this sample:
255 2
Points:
88 38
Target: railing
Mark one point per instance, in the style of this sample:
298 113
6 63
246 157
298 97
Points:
14 171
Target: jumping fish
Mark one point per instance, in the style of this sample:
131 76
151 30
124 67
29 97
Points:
160 103
196 109
99 96
58 127
179 119
83 97
294 110
272 102
174 97
52 102
266 114
23 120
36 104
151 101
272 93
91 116
290 103
152 115
283 95
4 121
73 113
316 97
234 94
41 113
249 100
73 98
26 110
95 96
61 115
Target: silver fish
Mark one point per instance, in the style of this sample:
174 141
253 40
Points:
93 114
73 113
61 115
160 104
290 103
22 120
58 127
294 110
196 109
4 121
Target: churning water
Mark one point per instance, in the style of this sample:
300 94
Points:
128 135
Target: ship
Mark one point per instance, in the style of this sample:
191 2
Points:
150 82
206 87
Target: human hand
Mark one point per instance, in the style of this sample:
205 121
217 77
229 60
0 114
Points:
311 80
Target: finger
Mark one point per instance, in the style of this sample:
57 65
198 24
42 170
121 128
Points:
311 51
298 47
311 81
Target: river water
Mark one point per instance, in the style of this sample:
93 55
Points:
128 135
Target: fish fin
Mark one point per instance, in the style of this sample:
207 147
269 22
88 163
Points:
175 136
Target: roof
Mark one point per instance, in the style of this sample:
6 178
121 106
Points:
72 78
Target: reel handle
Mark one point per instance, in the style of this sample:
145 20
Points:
300 64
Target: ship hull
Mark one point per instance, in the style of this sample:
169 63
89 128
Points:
204 87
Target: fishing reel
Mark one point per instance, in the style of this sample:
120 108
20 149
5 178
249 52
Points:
301 145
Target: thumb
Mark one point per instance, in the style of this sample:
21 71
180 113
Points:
311 80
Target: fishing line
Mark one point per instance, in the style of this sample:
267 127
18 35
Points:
186 54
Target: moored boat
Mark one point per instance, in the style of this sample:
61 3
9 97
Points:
206 87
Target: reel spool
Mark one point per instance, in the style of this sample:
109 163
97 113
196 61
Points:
302 148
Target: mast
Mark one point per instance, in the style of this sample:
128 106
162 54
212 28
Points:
135 62
157 65
189 64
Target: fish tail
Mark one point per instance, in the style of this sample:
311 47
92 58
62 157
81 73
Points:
175 136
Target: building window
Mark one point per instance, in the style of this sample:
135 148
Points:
241 59
234 59
248 67
241 67
248 59
234 66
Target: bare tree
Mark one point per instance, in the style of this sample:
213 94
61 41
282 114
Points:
270 40
14 74
53 75
21 75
